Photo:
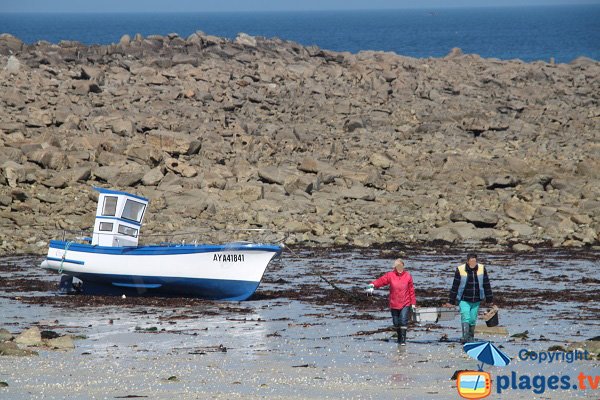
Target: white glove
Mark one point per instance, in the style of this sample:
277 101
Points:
413 308
370 288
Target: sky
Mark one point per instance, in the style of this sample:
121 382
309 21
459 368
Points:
254 5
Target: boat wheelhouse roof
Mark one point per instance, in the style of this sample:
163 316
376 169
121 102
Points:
119 193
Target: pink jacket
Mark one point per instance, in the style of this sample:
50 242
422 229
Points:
402 291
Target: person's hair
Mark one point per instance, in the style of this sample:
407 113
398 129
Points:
399 260
471 255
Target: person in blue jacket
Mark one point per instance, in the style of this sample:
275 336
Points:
470 287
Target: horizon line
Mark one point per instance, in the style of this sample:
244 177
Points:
443 7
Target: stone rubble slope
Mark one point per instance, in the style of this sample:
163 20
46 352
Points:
332 148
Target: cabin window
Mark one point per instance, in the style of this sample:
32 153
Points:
106 226
110 206
127 230
133 210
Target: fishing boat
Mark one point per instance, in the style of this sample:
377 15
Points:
112 262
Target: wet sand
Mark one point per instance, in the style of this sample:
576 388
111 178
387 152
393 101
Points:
299 337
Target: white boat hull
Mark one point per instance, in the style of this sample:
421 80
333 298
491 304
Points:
225 272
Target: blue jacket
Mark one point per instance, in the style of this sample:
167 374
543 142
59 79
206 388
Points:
471 284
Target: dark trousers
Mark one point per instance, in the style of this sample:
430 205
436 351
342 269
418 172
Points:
400 317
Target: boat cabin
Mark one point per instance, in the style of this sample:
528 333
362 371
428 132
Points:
119 218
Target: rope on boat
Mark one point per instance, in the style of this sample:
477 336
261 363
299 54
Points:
62 261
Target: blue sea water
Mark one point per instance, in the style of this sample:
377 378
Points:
527 33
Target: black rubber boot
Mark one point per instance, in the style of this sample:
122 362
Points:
402 336
471 333
465 332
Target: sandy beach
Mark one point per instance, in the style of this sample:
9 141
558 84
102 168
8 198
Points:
298 338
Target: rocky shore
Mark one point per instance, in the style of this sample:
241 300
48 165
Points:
332 148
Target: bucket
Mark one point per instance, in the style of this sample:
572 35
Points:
491 317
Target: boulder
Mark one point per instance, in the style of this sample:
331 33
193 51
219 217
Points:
589 167
353 124
251 193
443 233
520 230
82 88
297 227
9 44
519 210
174 143
180 168
50 158
522 248
591 346
125 40
5 335
311 165
245 40
57 182
89 72
273 174
30 337
293 183
122 126
60 343
501 181
37 118
13 173
153 177
358 192
481 219
107 173
12 65
381 160
144 154
11 349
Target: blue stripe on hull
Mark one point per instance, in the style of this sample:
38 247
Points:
67 260
210 289
164 250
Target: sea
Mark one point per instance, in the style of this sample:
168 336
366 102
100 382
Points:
561 33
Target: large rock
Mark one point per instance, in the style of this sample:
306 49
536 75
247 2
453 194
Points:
30 337
153 177
60 343
144 154
481 219
358 192
90 72
293 183
443 233
9 44
251 193
522 248
501 181
520 230
5 335
12 65
519 210
180 168
50 158
13 173
174 143
381 160
11 349
273 174
245 40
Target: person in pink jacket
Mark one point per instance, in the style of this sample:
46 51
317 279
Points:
402 296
